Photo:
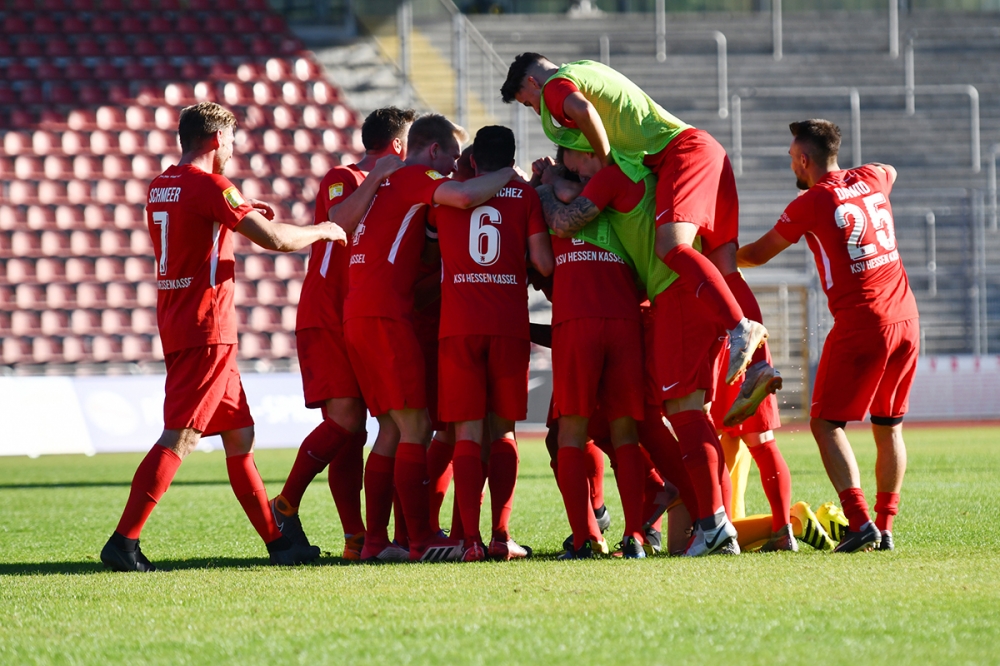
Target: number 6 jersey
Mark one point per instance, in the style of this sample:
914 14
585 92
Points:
484 287
847 221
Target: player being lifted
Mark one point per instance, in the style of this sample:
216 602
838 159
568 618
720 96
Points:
870 356
484 336
192 211
382 346
328 381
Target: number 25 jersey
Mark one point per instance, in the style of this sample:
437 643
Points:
190 214
847 221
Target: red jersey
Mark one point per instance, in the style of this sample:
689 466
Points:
190 214
386 246
554 95
847 221
484 288
321 304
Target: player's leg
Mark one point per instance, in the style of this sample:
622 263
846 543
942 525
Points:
503 467
777 482
469 485
738 461
345 477
630 477
439 472
573 484
410 473
890 467
379 489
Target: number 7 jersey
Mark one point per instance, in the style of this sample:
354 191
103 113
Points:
848 224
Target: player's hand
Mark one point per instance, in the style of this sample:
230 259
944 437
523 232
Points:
539 166
262 207
386 166
522 175
333 232
551 175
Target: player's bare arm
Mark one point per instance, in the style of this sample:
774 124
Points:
582 112
565 190
761 250
262 207
474 191
888 168
349 213
566 219
283 237
540 254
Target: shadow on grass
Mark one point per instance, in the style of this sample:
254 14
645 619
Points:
91 567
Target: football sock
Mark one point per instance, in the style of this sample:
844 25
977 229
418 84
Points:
739 463
753 529
439 472
595 473
317 450
151 480
576 495
726 487
346 476
751 308
702 277
665 452
855 508
399 534
886 508
777 481
250 491
502 480
469 486
630 478
652 487
457 529
378 500
701 452
411 483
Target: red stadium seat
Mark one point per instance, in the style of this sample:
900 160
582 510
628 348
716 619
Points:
58 48
144 320
256 267
175 46
322 92
105 349
333 142
115 242
109 269
285 117
276 142
95 216
27 167
87 47
262 93
78 192
288 266
59 296
115 322
130 24
139 269
47 71
25 323
44 25
145 294
18 71
73 350
307 69
246 141
29 297
29 47
204 91
16 350
101 23
244 293
261 46
22 192
140 243
255 117
262 318
109 191
282 345
293 166
293 92
236 94
10 217
145 47
131 142
31 93
14 24
86 167
277 69
54 322
85 243
55 243
270 292
20 270
85 322
288 316
203 46
106 71
45 350
188 23
74 143
16 143
115 167
253 188
44 142
117 47
79 269
164 71
90 295
61 94
159 142
57 168
144 167
51 192
129 217
137 348
159 24
320 164
165 118
41 218
304 141
92 94
178 94
120 295
134 70
69 217
249 71
253 345
135 191
109 118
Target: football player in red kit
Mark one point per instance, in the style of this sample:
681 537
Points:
870 356
484 336
192 212
385 254
327 377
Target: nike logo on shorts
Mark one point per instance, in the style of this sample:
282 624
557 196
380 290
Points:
667 388
662 214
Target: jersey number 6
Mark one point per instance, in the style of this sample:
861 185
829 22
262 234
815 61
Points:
484 238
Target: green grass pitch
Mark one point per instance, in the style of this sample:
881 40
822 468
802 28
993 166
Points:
936 599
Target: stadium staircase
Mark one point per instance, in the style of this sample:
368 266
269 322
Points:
89 98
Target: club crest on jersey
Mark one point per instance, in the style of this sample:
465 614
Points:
234 197
336 190
434 174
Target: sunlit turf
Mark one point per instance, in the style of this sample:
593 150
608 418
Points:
934 599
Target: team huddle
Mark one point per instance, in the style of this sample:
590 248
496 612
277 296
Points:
414 308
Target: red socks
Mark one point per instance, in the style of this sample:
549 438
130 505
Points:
595 474
665 452
631 483
651 489
704 279
250 491
702 455
439 472
576 495
151 480
886 508
317 450
748 303
346 478
469 486
411 483
502 479
777 481
378 501
855 508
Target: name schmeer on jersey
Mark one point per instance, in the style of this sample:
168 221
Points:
862 266
165 195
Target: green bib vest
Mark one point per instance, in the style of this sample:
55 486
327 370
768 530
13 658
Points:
636 125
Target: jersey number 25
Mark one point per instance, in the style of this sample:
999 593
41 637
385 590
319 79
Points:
851 216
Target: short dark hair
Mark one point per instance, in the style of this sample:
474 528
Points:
433 128
200 122
493 148
820 136
515 75
383 125
561 163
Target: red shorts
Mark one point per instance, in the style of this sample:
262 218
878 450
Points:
388 363
204 391
867 369
695 183
597 361
480 374
325 366
689 347
765 418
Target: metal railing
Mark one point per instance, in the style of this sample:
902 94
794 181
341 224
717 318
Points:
854 93
991 184
777 33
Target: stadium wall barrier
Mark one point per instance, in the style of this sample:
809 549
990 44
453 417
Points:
59 415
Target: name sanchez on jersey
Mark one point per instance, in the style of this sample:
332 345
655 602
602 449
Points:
165 195
510 193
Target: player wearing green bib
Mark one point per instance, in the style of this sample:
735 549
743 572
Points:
585 104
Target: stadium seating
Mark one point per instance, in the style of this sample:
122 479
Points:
89 99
